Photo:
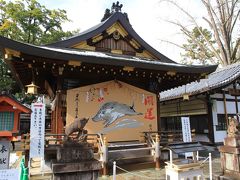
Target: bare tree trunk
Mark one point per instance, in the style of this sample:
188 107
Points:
223 15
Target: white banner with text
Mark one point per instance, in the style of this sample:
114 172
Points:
186 132
37 130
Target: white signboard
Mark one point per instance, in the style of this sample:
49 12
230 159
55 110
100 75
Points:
9 174
37 130
186 132
4 154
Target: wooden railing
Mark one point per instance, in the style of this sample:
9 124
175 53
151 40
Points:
54 139
165 136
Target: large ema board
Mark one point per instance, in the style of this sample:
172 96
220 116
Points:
117 109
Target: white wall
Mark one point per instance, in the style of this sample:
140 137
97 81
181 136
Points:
218 135
218 108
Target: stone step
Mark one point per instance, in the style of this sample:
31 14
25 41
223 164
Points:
134 165
129 153
147 159
116 146
40 177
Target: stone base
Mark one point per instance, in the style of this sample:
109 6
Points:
88 170
76 167
224 177
232 141
230 157
75 161
94 175
74 152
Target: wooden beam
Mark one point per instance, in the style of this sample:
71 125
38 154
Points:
74 63
236 100
210 119
158 113
171 73
49 89
14 73
128 68
225 107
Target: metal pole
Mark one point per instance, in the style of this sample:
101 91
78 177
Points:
42 165
114 170
171 158
157 152
210 166
197 156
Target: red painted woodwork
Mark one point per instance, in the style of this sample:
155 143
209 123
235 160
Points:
8 104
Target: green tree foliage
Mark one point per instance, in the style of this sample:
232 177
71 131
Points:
6 81
29 21
196 48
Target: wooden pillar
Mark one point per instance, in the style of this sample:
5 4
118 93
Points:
158 113
236 101
225 107
58 109
53 122
58 114
105 157
158 159
210 119
57 120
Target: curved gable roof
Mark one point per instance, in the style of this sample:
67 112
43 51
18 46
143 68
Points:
116 17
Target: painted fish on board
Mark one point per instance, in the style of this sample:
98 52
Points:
111 111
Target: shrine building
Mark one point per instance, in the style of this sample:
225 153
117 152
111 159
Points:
107 73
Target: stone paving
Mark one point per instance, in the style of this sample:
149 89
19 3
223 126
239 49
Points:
142 174
153 174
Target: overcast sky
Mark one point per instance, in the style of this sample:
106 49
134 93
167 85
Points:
148 18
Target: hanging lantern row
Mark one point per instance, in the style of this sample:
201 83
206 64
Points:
77 66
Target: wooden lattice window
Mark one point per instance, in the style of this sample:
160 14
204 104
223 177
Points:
6 121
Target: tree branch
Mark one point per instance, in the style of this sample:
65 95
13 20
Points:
236 49
195 23
175 44
216 33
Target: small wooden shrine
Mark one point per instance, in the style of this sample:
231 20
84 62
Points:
108 73
10 110
179 169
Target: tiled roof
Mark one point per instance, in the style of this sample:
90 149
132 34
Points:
220 78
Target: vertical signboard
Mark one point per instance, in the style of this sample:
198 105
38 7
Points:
37 130
186 132
4 154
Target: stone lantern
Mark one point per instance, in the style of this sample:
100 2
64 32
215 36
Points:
230 151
